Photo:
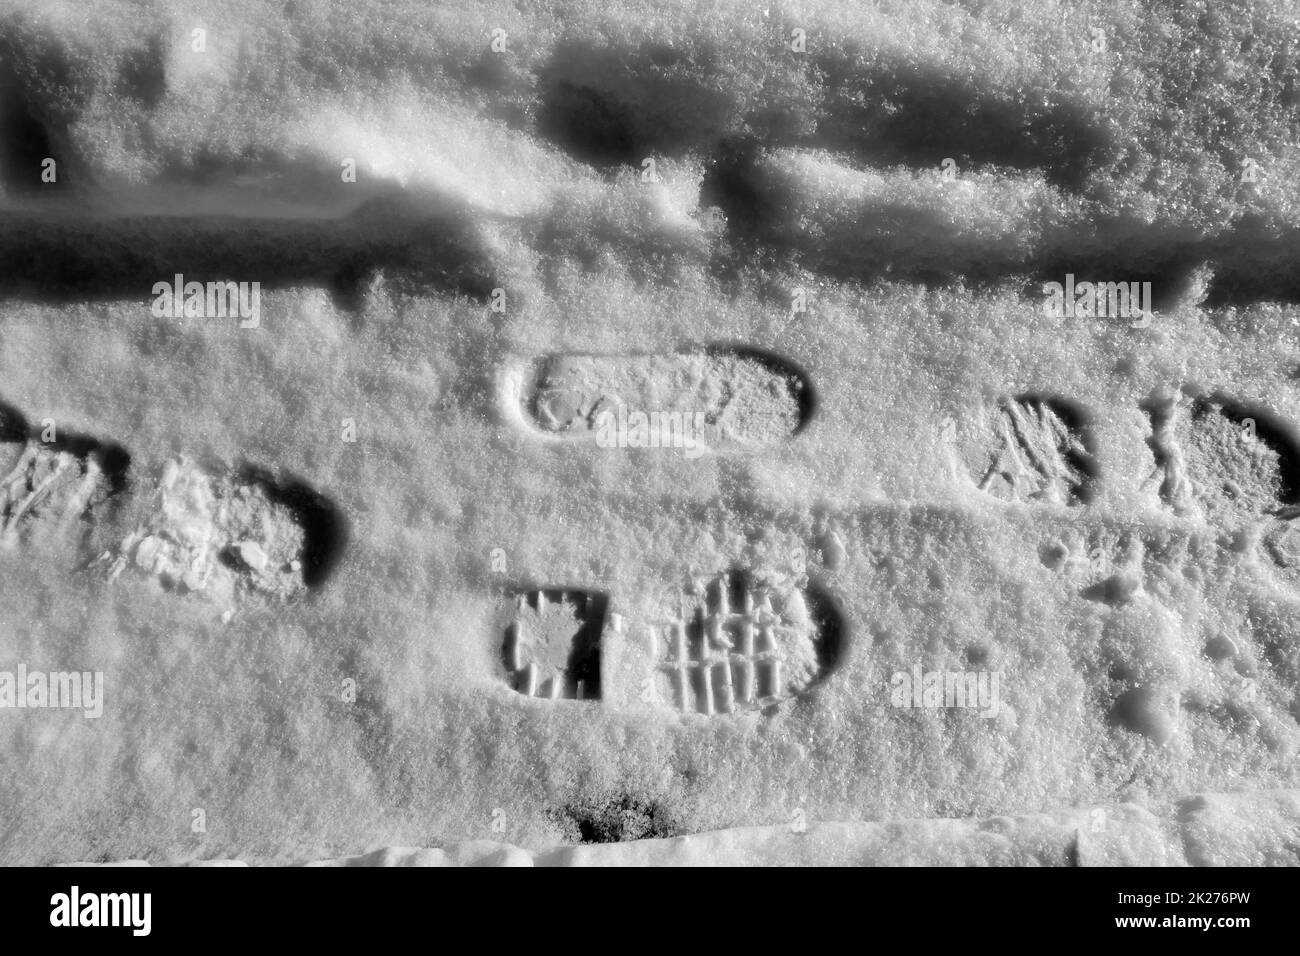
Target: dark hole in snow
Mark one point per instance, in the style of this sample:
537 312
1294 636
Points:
615 820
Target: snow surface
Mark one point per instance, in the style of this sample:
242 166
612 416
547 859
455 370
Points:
1147 638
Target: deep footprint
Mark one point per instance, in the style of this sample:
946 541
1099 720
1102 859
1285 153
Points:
1222 459
1234 465
552 647
733 643
55 486
227 534
1037 450
715 399
737 644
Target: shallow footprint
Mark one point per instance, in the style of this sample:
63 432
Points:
713 398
